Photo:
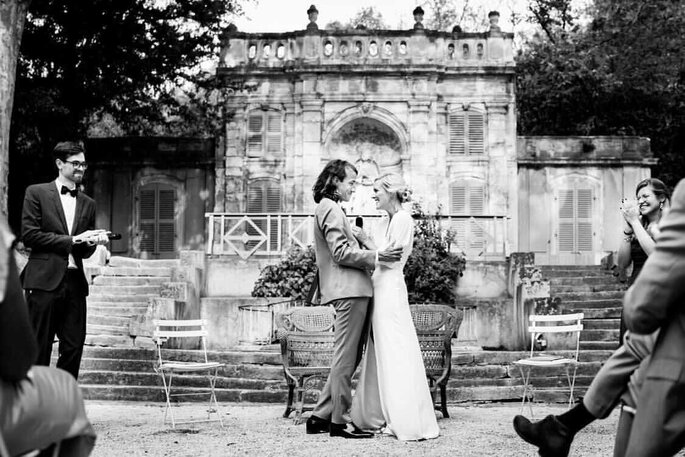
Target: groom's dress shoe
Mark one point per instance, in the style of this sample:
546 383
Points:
552 438
317 425
349 431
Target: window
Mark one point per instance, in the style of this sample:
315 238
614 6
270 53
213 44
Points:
156 220
466 132
264 134
264 196
575 232
467 198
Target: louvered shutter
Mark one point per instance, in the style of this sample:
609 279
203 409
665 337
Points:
468 198
147 210
458 199
584 200
255 134
264 196
157 220
566 233
476 207
166 223
457 133
273 132
476 133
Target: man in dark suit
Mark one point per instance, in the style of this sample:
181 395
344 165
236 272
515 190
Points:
58 224
657 300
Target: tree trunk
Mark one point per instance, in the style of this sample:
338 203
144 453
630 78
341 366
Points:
12 17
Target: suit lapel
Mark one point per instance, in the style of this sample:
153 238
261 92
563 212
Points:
80 202
59 210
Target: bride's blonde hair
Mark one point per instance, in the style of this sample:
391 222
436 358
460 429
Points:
394 183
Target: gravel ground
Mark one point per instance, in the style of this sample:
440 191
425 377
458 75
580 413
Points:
136 429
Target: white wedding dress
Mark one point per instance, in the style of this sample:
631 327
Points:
393 389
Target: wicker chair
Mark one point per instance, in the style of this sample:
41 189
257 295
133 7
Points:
307 343
435 326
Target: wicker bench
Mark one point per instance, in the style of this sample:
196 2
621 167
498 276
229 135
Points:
307 344
435 325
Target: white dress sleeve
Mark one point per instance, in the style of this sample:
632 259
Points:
400 233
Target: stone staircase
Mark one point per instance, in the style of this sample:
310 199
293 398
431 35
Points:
594 291
255 374
120 292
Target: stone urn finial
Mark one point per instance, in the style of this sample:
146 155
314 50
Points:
418 17
313 15
493 17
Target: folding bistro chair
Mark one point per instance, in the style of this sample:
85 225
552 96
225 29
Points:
560 323
165 329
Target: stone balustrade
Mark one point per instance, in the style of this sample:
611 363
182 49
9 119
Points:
383 49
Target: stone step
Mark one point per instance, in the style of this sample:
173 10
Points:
123 309
98 296
600 345
156 394
136 271
592 303
596 313
99 329
580 288
599 335
99 319
128 262
125 290
124 378
584 296
584 280
130 280
109 341
601 324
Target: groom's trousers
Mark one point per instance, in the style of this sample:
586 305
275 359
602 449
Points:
351 327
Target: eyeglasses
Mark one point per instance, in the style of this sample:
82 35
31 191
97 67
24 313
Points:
77 164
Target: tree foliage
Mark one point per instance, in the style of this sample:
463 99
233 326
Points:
133 63
368 18
432 271
622 74
445 14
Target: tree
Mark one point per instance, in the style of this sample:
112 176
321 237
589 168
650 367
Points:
12 18
128 61
622 74
368 18
445 14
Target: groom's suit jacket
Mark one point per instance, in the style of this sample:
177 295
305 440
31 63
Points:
340 260
44 230
657 300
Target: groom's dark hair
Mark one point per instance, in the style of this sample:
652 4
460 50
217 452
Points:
324 185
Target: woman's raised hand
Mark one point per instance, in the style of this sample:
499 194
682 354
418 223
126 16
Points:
630 211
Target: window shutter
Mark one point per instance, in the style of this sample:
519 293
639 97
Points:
458 198
457 133
255 126
566 233
167 224
273 199
255 198
147 204
476 135
584 219
476 198
273 132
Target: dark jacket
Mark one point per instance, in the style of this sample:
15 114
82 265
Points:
44 230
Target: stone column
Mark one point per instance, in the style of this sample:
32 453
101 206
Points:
312 121
502 173
234 157
422 160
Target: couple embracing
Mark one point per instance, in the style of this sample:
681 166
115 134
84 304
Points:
392 395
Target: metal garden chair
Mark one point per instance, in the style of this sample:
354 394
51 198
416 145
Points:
166 368
539 324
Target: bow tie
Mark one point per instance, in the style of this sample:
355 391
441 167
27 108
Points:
66 190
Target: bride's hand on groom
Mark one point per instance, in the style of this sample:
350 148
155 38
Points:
390 254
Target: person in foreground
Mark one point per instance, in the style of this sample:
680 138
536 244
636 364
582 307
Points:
345 284
57 223
619 378
393 390
657 301
41 408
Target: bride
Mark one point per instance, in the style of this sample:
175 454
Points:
393 391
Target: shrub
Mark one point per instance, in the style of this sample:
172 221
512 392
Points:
291 277
432 271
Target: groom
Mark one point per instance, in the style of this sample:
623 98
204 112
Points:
345 284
